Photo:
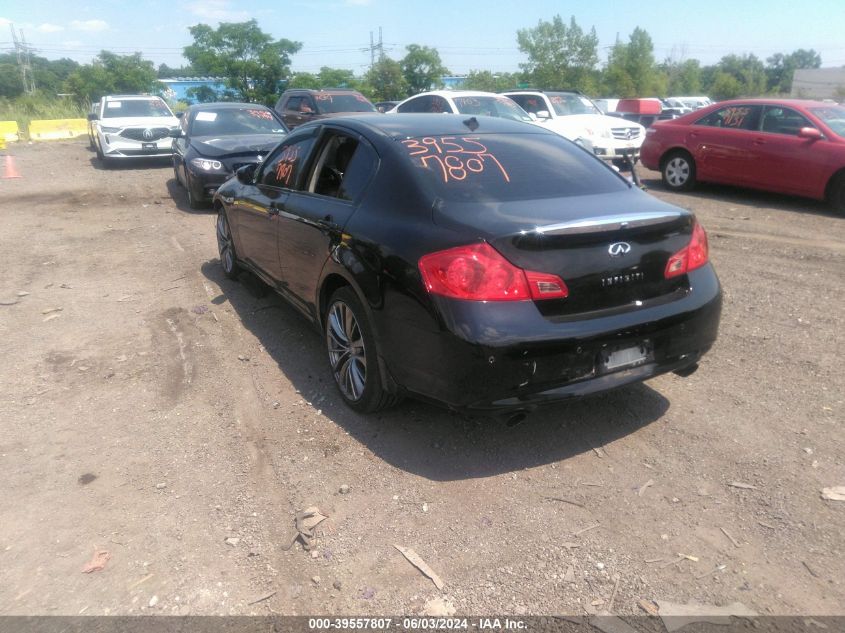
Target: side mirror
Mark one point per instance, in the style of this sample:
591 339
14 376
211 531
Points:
175 132
543 114
532 116
92 116
179 115
246 174
810 133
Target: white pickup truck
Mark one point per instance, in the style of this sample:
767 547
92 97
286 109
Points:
572 115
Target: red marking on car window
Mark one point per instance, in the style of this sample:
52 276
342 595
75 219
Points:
324 97
456 158
286 164
260 114
361 98
467 101
557 100
734 117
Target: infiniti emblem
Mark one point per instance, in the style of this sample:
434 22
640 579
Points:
148 134
618 249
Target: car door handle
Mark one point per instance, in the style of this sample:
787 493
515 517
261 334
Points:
759 141
273 209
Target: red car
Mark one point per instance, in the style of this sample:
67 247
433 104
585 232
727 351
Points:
783 145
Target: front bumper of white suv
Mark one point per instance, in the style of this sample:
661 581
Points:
134 141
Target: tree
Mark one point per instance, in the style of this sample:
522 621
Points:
725 86
166 72
631 70
385 81
781 68
422 69
747 70
490 82
684 78
337 78
11 84
560 56
251 62
110 73
304 80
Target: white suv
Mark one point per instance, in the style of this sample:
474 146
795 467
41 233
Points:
131 126
574 116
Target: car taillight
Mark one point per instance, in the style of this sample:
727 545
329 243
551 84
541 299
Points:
693 255
478 272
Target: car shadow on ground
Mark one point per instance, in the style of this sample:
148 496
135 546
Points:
180 198
423 439
129 164
742 196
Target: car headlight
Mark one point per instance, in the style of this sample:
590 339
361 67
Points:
206 164
110 130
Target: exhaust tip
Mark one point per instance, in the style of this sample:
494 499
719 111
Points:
689 370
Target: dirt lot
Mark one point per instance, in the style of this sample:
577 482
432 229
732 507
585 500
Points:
179 421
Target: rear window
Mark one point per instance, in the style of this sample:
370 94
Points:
328 102
135 107
503 167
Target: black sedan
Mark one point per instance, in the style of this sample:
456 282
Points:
478 263
213 140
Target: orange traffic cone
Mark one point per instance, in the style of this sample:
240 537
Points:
11 171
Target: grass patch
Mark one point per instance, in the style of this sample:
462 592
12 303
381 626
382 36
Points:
35 107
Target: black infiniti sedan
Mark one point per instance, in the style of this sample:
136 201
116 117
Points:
478 263
213 140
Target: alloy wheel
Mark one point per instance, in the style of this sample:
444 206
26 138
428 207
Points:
224 244
346 351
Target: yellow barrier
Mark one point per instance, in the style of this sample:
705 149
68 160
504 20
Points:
57 129
8 132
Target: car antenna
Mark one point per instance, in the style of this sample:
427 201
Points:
471 123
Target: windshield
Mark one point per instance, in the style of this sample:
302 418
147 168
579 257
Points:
236 121
491 106
328 102
833 116
135 107
570 103
502 167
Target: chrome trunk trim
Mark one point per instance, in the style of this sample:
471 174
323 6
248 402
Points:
607 223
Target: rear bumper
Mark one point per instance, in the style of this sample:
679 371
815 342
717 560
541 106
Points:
507 356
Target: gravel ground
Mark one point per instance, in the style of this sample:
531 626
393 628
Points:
154 410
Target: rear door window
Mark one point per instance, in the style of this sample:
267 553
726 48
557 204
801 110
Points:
343 168
779 120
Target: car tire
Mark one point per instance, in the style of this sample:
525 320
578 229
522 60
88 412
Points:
836 195
353 360
194 201
678 171
226 246
176 174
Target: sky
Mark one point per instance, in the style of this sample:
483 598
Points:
469 35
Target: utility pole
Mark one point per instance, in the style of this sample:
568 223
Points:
374 47
22 52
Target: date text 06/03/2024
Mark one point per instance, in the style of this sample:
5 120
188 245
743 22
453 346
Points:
416 624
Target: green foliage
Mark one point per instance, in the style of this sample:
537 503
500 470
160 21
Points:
490 82
560 56
748 71
26 108
422 69
166 72
725 86
204 94
631 70
252 63
385 81
781 68
684 78
49 75
307 81
112 74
